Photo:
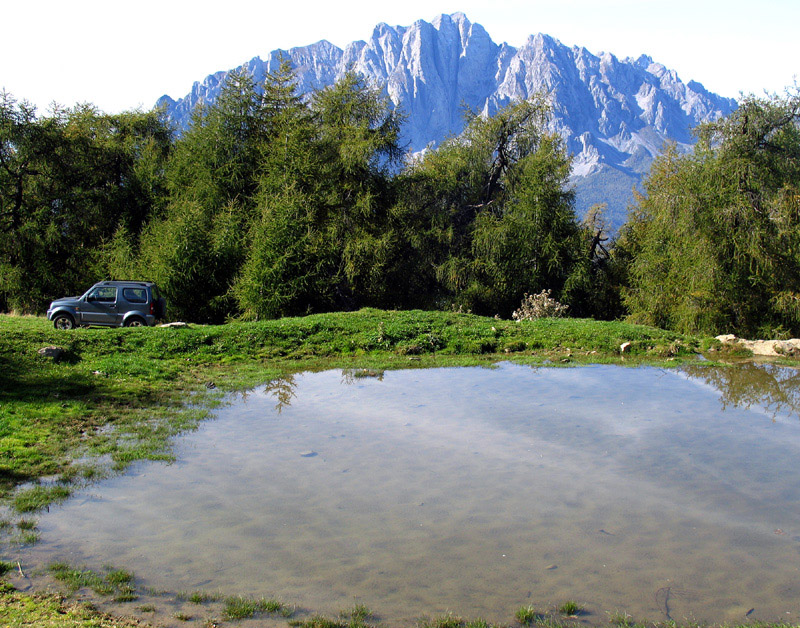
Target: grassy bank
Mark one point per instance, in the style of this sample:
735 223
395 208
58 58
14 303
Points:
55 415
114 396
52 611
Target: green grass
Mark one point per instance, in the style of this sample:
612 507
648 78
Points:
239 607
620 618
318 621
116 583
18 610
199 597
570 608
448 620
355 617
526 615
39 497
119 395
29 537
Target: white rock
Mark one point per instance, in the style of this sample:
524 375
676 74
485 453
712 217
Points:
768 348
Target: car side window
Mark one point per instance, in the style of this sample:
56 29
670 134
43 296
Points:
135 295
107 294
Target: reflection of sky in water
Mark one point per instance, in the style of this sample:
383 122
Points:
473 490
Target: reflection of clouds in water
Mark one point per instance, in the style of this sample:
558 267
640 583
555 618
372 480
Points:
457 488
773 389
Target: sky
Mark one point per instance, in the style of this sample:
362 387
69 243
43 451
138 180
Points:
124 54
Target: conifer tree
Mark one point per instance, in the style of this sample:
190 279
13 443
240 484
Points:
68 181
715 238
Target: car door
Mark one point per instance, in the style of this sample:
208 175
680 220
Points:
100 307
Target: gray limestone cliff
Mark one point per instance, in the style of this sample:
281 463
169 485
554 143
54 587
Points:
614 115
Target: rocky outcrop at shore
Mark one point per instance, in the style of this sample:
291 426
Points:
771 348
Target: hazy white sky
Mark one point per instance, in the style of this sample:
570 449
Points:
123 54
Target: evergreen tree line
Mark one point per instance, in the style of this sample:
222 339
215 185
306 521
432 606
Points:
272 205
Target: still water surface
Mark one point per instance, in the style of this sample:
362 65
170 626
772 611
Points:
473 490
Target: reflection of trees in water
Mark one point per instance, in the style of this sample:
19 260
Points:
283 389
351 376
774 388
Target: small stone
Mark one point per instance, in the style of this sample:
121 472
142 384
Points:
308 454
551 567
51 352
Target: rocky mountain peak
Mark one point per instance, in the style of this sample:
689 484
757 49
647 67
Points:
614 115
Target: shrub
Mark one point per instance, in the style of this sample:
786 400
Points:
540 305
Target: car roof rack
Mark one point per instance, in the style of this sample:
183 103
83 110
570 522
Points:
120 281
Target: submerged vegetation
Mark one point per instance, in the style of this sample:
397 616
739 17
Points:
117 583
238 607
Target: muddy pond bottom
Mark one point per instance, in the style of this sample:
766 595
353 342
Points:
470 490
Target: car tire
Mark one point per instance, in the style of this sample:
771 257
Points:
135 321
63 322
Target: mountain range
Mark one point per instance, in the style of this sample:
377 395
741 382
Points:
614 114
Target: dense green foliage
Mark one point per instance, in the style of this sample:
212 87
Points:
272 205
68 182
491 215
714 245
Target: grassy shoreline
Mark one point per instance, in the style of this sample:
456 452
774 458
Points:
115 396
56 416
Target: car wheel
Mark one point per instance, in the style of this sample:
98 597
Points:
134 321
64 321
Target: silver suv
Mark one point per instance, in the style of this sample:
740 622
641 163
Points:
110 304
